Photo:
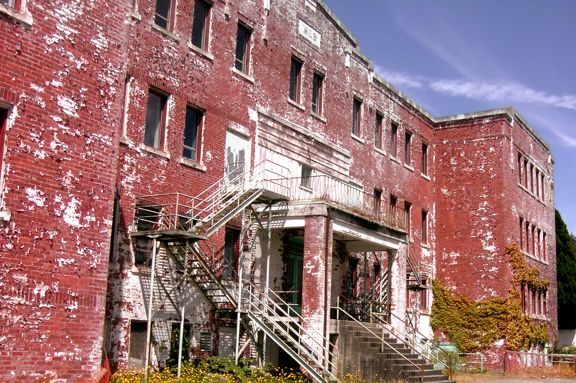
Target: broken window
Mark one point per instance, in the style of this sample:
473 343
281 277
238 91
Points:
317 93
137 350
242 60
164 14
201 24
295 79
155 119
407 148
378 131
356 116
192 131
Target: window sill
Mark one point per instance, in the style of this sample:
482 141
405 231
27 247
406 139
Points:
305 188
394 159
155 151
533 257
318 117
192 164
425 176
200 51
22 15
296 104
166 33
379 150
531 193
243 75
409 167
425 246
355 137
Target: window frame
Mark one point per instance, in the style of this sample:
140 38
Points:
199 127
169 18
295 84
425 165
394 126
242 64
356 116
4 114
162 121
408 217
424 234
306 176
317 99
378 136
408 147
204 32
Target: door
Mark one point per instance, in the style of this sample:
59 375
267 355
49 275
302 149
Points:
294 270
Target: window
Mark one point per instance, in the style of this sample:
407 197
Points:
520 170
356 116
543 194
544 253
521 233
201 24
242 48
407 148
317 93
425 159
393 200
231 252
407 220
9 3
377 202
393 139
378 131
531 178
525 183
192 132
424 229
295 79
155 119
3 122
164 14
306 176
206 341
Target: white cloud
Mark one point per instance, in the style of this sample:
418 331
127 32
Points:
400 79
505 92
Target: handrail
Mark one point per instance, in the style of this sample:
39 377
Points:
294 328
339 309
428 352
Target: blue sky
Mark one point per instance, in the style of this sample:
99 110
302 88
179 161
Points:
458 56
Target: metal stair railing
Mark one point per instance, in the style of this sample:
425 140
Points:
379 292
423 349
306 345
210 207
340 310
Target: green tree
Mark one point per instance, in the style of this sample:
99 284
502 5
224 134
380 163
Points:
566 269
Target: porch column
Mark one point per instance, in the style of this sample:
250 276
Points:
317 272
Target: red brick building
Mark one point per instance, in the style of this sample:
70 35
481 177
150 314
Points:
191 162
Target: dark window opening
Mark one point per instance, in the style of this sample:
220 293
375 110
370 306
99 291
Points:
231 252
408 148
192 132
425 159
394 139
378 131
424 230
163 14
356 116
306 176
201 24
377 202
242 48
155 119
137 350
317 93
295 79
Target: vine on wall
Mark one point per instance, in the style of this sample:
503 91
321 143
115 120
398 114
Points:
475 325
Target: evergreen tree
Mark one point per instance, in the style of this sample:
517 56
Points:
566 268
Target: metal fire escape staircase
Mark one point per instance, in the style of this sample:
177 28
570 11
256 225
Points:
182 225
